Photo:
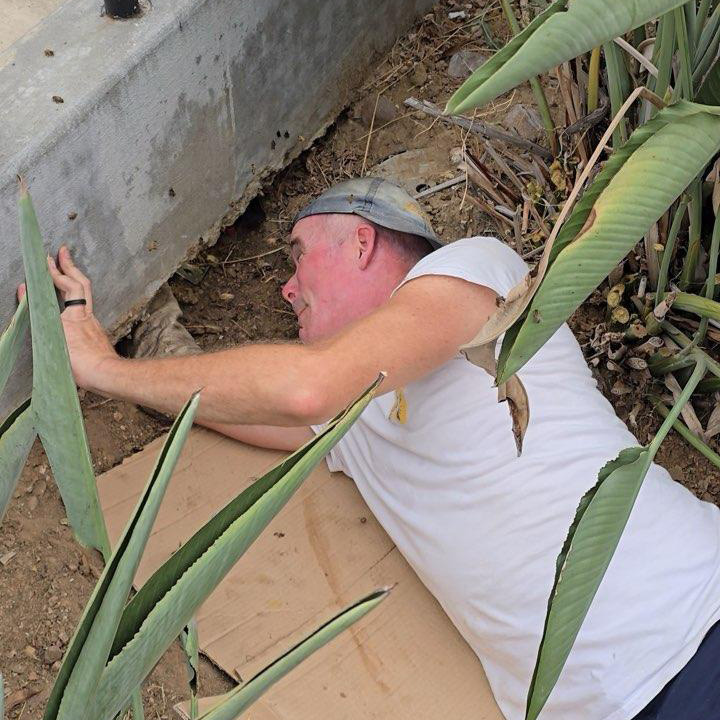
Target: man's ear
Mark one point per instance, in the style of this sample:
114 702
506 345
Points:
366 237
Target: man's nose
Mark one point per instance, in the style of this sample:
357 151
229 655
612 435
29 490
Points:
289 290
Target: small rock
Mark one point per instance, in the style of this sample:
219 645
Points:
117 416
56 665
30 652
52 654
419 74
63 636
525 121
464 62
57 99
384 113
32 502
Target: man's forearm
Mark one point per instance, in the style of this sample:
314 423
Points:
254 384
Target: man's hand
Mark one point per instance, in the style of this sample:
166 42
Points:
87 342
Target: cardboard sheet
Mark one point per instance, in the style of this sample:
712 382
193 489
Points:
403 661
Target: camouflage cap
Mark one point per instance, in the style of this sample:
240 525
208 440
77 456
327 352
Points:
377 200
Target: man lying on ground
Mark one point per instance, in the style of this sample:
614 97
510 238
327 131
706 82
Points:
374 290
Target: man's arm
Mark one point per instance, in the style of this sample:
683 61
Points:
265 436
420 328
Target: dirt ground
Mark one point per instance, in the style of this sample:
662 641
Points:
46 578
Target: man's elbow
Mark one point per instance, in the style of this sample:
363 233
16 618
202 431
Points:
309 405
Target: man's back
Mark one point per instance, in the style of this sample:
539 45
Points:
483 528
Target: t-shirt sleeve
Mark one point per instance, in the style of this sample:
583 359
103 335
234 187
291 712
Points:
481 260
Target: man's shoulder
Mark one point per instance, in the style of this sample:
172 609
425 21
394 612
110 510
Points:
481 259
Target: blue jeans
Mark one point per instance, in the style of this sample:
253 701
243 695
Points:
694 693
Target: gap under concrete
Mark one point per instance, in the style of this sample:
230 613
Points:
168 124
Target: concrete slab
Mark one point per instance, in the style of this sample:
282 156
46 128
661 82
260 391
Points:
17 17
139 136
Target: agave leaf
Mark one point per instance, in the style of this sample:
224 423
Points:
191 647
17 434
593 536
238 700
55 403
11 341
635 198
88 652
165 604
555 36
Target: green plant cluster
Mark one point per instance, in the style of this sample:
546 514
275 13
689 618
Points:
657 173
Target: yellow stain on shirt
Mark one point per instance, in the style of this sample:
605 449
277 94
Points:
399 411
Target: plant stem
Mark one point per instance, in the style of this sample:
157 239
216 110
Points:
709 385
702 14
685 342
693 252
683 83
697 305
668 250
686 433
674 413
593 80
709 289
538 92
617 84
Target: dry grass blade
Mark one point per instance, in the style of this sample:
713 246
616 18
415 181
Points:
512 307
687 411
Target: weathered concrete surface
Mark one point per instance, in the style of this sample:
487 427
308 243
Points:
169 122
17 17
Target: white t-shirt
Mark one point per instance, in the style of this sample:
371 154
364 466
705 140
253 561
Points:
482 527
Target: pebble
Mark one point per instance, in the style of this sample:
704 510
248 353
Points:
52 654
30 652
525 121
384 113
464 62
419 74
117 416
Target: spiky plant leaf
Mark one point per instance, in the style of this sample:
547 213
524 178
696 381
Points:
564 31
238 700
12 339
74 690
17 434
635 197
165 604
55 404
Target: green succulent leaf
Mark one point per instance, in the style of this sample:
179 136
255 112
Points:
564 31
231 705
55 404
89 649
12 339
659 161
17 434
169 599
594 534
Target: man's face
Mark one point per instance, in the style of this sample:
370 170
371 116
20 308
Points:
327 290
